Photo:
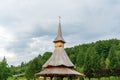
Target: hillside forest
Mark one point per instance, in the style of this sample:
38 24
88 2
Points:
95 60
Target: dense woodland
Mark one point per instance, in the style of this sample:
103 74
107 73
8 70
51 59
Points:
96 59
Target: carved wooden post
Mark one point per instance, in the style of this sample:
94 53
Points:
51 78
44 78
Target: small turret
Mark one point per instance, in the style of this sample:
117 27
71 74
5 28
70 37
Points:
59 41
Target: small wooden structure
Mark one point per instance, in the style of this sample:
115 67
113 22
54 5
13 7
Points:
59 64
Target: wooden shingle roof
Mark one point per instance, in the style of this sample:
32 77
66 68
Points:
59 71
59 58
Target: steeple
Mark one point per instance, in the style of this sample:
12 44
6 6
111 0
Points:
59 56
59 37
59 64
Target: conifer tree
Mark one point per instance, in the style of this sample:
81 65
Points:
4 70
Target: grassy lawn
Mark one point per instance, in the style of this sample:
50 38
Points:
104 78
21 78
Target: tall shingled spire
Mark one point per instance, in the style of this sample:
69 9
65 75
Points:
59 34
59 56
59 64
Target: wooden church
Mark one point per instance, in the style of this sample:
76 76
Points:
59 64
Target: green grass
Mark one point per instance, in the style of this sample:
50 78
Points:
104 78
20 78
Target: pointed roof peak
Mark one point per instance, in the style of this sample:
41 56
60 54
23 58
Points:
59 19
59 34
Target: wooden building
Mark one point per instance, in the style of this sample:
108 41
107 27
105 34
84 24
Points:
59 64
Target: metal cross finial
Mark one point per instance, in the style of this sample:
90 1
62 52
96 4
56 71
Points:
59 19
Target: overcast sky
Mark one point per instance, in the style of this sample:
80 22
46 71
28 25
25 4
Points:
28 27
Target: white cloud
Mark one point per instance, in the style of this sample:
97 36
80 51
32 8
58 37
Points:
5 35
4 53
6 38
41 44
10 56
25 24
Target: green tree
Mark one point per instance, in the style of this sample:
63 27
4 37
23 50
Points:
45 57
33 67
80 58
89 63
114 59
4 70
